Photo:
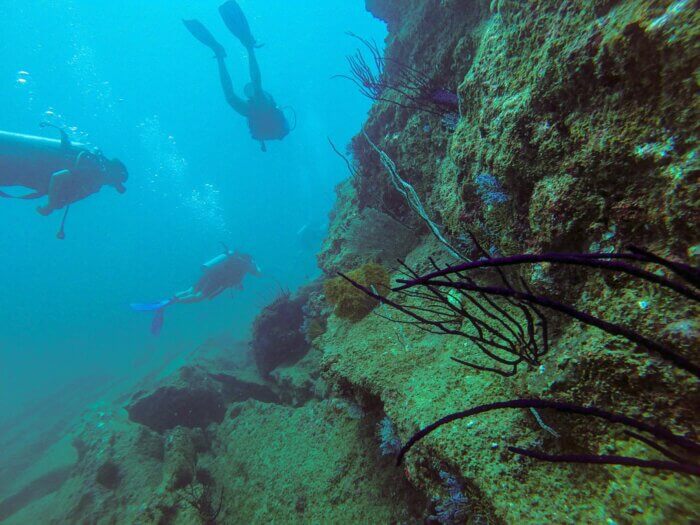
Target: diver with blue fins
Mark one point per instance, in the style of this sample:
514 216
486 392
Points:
265 119
61 170
225 271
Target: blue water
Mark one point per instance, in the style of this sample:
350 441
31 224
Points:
127 77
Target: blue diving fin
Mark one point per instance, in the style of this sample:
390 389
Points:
159 313
149 307
237 23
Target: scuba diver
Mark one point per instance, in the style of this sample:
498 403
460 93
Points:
222 272
66 172
265 120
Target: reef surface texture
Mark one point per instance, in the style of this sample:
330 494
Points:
576 130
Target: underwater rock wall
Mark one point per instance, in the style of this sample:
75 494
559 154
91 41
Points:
577 131
581 113
559 126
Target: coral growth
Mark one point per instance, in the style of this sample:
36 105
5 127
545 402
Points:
453 508
349 302
203 496
389 442
388 80
508 330
685 281
316 312
313 328
577 135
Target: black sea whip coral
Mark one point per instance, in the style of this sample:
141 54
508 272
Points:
387 80
686 282
508 331
675 462
455 277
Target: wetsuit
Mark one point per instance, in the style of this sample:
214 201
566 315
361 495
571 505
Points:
265 120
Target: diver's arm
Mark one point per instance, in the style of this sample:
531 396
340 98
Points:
61 187
237 103
255 76
69 186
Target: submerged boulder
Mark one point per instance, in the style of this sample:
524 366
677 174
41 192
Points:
169 407
278 335
235 389
193 398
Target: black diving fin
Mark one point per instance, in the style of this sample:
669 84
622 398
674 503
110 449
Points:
235 20
202 34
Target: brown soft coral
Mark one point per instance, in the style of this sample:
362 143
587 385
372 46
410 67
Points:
349 302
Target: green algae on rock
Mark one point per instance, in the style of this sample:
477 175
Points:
577 132
349 302
582 112
233 471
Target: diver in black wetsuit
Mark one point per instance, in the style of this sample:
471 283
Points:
265 120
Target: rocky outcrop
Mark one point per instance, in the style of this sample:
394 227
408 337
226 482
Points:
194 398
237 471
575 133
235 389
278 336
169 407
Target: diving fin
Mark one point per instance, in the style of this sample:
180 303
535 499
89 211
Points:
202 34
158 310
237 23
149 307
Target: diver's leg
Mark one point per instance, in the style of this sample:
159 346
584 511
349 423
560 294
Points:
237 103
188 296
255 76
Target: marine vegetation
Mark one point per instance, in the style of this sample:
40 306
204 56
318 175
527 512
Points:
313 328
685 461
389 442
383 79
439 310
200 495
457 279
455 507
508 331
351 303
412 199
